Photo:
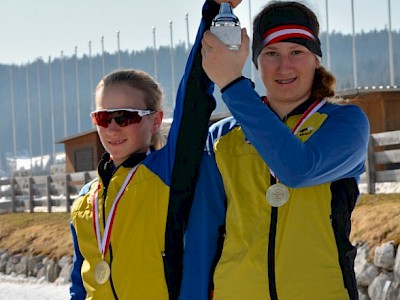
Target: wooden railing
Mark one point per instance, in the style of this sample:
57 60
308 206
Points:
48 191
383 159
26 193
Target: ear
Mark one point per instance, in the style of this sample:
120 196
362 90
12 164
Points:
317 62
157 121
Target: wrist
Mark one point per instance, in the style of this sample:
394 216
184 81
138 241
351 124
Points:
233 82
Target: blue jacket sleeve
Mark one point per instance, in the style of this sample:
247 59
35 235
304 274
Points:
77 291
183 152
337 150
206 219
193 107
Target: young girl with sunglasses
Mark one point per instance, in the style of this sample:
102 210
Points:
127 225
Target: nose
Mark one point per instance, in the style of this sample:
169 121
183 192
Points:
112 125
284 62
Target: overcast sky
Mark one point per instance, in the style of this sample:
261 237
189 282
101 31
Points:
31 29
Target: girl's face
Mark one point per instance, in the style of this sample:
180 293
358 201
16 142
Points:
119 141
287 72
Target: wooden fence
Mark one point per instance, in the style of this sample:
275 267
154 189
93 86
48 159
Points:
383 159
26 193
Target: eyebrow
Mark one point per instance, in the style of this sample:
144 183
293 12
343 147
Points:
292 47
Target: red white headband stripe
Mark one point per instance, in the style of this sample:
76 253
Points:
284 32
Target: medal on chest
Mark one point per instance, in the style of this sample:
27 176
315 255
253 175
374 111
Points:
278 194
102 270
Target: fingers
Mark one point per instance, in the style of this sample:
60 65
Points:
211 40
233 3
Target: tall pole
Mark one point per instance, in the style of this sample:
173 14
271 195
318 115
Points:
63 94
187 30
328 51
172 63
354 47
391 64
13 125
78 104
28 103
103 64
154 52
251 33
91 78
53 138
40 112
118 49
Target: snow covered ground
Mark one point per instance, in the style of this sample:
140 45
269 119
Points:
19 288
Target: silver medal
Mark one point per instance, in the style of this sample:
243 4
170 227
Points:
277 194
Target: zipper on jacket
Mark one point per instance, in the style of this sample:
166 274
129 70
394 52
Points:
271 250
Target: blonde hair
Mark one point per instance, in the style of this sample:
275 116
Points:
142 81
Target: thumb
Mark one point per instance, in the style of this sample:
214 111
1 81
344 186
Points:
245 41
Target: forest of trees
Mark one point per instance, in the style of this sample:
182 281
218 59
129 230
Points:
31 93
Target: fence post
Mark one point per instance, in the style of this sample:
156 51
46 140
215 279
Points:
48 191
86 177
67 193
370 166
31 194
14 200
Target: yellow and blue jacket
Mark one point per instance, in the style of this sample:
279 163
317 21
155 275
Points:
239 246
146 244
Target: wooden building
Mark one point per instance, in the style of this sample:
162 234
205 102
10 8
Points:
381 104
82 151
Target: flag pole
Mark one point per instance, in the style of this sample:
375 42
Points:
13 114
154 52
28 104
391 63
328 50
172 63
53 138
63 94
78 110
354 47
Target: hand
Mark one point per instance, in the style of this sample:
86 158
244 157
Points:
233 3
221 64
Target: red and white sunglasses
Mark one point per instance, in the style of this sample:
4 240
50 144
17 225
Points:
122 116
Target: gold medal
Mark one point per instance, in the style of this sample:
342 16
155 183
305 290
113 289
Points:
277 194
102 272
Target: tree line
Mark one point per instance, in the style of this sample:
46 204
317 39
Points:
31 94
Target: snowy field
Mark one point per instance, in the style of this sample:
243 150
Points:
18 288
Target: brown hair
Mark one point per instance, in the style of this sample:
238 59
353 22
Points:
323 84
142 81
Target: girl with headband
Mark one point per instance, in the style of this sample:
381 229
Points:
271 217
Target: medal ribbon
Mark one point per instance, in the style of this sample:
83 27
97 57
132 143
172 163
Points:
306 115
105 241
